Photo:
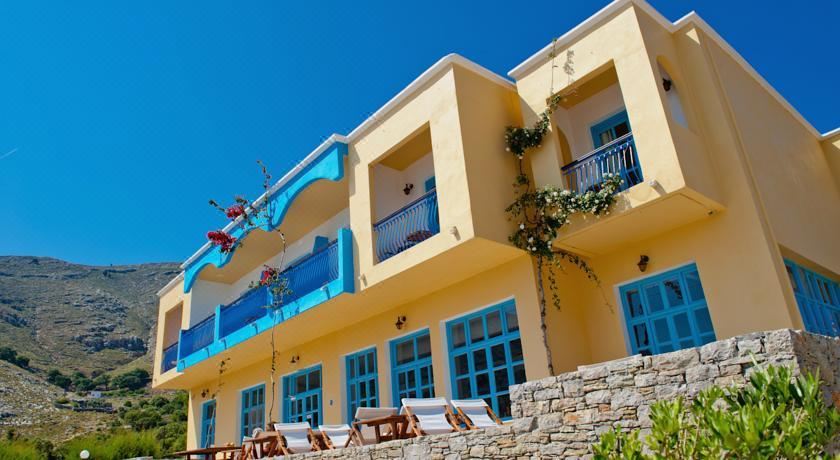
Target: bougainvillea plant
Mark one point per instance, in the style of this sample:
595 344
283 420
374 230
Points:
542 212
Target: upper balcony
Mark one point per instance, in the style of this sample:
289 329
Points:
626 112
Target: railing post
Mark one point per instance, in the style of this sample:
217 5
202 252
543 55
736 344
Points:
180 363
217 326
345 260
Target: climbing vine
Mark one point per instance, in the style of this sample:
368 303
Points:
542 212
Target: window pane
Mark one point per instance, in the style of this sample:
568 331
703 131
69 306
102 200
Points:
621 129
682 326
634 303
500 379
459 337
497 352
362 366
654 298
371 362
512 319
482 384
663 334
516 350
494 324
695 289
464 388
405 352
314 380
300 384
424 347
518 373
503 404
461 365
641 335
476 330
479 360
704 321
351 368
425 375
674 292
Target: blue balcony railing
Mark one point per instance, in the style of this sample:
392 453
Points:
198 336
414 223
170 357
617 157
305 275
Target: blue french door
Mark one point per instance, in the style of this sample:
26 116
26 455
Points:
610 129
411 367
253 410
302 397
667 312
361 382
485 353
818 298
208 423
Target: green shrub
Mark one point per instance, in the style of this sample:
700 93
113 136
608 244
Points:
10 355
58 379
116 446
131 380
773 416
19 450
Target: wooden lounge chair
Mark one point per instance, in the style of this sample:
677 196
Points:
475 413
336 436
296 438
429 416
261 444
365 435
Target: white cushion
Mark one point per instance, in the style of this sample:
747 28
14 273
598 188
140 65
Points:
296 435
338 434
476 411
430 413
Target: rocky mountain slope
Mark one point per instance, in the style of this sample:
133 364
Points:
79 317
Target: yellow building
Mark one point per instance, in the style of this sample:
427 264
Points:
403 280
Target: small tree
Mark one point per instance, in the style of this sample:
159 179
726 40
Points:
773 416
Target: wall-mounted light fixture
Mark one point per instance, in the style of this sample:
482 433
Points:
667 84
294 359
400 322
408 188
643 262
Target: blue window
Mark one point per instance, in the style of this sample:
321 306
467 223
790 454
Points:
253 410
486 356
208 423
411 367
302 397
610 129
818 298
361 382
667 312
429 185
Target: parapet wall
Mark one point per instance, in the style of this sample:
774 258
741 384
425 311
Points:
560 417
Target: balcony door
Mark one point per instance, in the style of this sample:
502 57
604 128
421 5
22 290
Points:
610 129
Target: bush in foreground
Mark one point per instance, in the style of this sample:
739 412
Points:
773 416
115 446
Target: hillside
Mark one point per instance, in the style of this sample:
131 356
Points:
79 317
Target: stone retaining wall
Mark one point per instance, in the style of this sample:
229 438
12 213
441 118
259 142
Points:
560 417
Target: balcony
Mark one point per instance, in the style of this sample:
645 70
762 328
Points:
408 226
170 358
617 157
305 275
313 279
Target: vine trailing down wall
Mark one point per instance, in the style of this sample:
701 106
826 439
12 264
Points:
247 215
542 212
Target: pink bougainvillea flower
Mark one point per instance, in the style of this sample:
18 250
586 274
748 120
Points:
235 211
221 239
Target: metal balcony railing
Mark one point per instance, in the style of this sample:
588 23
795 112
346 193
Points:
304 276
170 357
617 157
412 224
198 336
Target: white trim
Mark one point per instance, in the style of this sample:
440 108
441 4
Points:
165 289
478 309
831 133
691 18
443 64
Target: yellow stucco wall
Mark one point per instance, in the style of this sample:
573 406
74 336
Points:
734 184
511 280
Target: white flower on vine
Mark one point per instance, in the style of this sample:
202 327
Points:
531 239
522 226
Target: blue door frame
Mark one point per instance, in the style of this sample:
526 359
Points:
302 396
362 385
818 298
253 410
667 312
611 125
208 423
412 375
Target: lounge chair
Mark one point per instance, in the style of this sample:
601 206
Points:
259 445
336 436
429 416
475 413
366 435
296 438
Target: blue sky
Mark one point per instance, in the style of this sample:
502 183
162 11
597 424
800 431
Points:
119 120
